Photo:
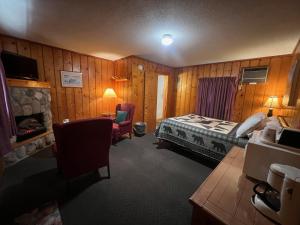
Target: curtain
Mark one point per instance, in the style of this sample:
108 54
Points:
7 120
216 97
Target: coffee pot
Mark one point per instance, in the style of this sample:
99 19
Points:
279 197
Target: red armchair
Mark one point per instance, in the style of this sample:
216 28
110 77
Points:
125 126
82 146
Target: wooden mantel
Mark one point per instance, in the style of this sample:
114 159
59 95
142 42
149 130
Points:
27 83
27 141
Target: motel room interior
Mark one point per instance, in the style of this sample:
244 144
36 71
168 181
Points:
138 112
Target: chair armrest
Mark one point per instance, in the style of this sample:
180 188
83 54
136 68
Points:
125 123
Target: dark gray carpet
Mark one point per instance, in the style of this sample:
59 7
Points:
148 185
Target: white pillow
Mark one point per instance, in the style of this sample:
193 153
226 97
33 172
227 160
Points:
250 124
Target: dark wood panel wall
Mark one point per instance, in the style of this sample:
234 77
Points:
249 98
296 55
72 103
88 102
142 87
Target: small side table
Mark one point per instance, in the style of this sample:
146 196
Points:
108 114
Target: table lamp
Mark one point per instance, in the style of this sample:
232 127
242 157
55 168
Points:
110 94
271 103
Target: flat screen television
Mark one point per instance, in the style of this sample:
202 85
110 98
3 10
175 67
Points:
19 67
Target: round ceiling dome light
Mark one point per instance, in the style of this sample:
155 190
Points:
167 39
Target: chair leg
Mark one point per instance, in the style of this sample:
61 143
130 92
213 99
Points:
108 171
130 135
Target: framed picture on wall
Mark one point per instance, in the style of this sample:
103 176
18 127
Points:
71 79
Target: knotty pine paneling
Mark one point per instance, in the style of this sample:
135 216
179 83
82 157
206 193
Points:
137 84
249 98
293 89
72 103
150 99
87 102
141 88
296 119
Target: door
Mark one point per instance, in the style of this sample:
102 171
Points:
162 93
150 100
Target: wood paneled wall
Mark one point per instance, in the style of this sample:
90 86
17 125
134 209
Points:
87 102
142 87
296 55
72 103
250 98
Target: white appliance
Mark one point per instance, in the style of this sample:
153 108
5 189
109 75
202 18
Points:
261 153
279 197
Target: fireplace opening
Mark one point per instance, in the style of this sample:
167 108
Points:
29 126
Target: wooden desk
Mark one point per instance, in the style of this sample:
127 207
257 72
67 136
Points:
224 197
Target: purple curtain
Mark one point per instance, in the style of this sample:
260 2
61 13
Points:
7 120
216 97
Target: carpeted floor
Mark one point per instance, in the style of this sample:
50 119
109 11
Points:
148 185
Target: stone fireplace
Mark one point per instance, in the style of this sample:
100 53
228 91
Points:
30 126
32 110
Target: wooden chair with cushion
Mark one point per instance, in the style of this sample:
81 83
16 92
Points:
124 127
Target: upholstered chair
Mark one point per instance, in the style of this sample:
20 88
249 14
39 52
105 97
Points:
82 146
124 127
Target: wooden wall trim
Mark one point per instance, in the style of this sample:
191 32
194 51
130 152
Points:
232 61
25 41
27 83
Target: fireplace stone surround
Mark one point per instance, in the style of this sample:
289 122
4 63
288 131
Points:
30 126
27 101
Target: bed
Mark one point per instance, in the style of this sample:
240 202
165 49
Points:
207 136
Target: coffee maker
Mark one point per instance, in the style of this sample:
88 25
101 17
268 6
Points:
279 197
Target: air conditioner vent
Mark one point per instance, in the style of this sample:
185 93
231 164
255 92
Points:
254 75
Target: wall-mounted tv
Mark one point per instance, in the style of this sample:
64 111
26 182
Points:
19 67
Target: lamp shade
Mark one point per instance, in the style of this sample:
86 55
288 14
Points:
109 93
272 102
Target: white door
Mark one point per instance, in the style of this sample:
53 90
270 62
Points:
162 83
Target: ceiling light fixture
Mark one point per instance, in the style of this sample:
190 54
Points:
167 39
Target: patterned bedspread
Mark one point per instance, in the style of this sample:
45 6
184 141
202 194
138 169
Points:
210 137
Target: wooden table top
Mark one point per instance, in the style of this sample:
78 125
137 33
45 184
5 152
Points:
108 114
226 193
